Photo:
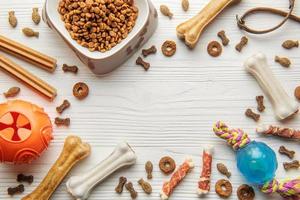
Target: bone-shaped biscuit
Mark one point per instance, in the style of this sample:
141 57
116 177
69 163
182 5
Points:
283 104
81 186
74 150
191 30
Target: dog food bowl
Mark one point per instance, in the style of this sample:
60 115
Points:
103 63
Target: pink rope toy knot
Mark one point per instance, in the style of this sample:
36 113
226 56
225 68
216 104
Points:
289 189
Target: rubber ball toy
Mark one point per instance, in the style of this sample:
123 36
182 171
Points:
25 132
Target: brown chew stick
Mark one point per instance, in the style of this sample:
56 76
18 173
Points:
26 77
23 52
74 150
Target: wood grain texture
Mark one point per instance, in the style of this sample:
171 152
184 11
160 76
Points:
168 110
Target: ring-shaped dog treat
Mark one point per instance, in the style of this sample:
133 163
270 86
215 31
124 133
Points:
214 49
167 165
245 192
168 48
80 90
223 188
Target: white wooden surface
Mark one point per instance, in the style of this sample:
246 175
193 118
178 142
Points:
168 110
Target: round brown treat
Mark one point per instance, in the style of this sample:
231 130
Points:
168 48
214 49
80 90
245 192
223 188
167 165
297 92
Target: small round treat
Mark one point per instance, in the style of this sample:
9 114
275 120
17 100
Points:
223 188
80 90
214 49
245 192
297 92
167 165
168 48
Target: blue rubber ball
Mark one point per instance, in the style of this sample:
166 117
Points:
257 162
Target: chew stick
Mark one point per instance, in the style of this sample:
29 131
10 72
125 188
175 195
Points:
23 52
204 182
26 77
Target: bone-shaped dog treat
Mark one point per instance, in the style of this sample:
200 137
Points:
192 29
283 104
81 186
74 150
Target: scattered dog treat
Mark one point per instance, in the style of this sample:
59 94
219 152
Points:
223 188
120 186
145 186
12 92
214 49
165 10
297 92
66 104
62 121
289 44
80 90
185 5
131 190
284 151
70 68
223 37
283 61
204 182
30 32
74 150
249 113
15 190
36 18
223 170
279 131
244 41
151 50
149 169
260 103
177 177
141 62
24 178
291 165
245 192
12 19
167 165
168 48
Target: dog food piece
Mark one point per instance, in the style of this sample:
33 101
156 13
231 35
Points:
120 186
168 48
12 19
66 104
285 62
245 192
36 18
289 44
244 41
69 68
291 165
24 178
214 49
260 103
62 121
223 188
165 10
12 92
223 170
145 186
15 190
131 190
80 90
30 32
149 169
151 50
249 113
284 151
297 92
283 132
167 165
223 37
141 62
204 182
185 5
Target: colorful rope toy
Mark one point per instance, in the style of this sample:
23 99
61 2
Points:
257 162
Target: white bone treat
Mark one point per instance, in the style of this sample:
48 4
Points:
284 106
81 186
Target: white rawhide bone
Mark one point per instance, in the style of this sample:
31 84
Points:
283 104
191 30
81 186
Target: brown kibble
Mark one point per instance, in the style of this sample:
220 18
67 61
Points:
145 186
297 92
223 188
12 19
30 32
166 11
169 48
214 49
120 186
167 165
70 68
291 165
223 170
66 104
244 41
62 121
260 103
141 62
151 50
289 44
223 37
12 92
245 192
283 61
249 113
80 90
284 151
131 190
24 178
185 5
15 190
36 18
149 169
